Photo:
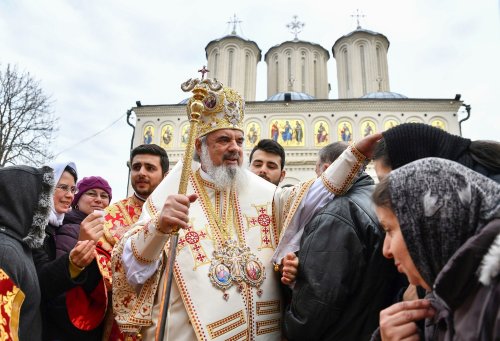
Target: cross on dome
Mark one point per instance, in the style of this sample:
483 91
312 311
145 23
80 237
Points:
295 26
357 16
234 21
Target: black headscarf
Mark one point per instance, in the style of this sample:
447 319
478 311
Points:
440 204
25 202
412 141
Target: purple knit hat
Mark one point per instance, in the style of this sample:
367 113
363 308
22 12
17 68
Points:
88 183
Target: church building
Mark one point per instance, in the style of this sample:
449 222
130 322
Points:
298 112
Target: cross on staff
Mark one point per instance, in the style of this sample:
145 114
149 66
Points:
295 26
357 16
203 71
234 20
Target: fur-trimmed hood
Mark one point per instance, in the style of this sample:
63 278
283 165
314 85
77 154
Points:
25 202
490 266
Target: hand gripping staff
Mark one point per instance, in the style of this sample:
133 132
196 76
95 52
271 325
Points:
200 91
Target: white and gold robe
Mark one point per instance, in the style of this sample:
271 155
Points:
200 310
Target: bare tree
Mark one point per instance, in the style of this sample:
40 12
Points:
26 120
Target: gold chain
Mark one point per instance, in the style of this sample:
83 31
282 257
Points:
222 225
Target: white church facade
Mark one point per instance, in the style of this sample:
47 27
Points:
298 113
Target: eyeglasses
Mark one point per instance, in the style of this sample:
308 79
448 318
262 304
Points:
94 195
67 188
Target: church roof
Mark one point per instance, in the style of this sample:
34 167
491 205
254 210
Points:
384 95
294 96
296 41
235 36
359 30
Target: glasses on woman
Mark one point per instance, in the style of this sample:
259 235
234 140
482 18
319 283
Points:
68 188
94 195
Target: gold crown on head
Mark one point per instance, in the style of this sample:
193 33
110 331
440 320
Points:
223 109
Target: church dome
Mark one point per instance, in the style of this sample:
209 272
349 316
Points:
292 96
384 95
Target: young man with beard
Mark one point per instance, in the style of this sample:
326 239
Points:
148 166
230 222
267 160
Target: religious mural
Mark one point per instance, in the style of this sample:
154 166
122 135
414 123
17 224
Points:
252 133
438 124
368 128
390 124
148 134
321 129
288 132
345 131
167 136
184 134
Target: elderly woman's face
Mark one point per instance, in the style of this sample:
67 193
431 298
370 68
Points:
395 247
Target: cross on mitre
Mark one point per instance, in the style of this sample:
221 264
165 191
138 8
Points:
203 71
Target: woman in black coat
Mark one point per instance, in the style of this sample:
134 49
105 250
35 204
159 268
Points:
58 275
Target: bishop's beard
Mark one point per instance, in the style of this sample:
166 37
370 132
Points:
225 177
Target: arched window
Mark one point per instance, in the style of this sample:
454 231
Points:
363 67
303 73
346 69
230 68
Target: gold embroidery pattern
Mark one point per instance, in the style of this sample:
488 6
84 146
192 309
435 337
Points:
268 326
188 303
352 173
241 336
11 300
304 187
137 254
268 307
226 324
264 221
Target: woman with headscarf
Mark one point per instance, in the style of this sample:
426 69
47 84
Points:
78 313
442 224
408 142
24 211
57 275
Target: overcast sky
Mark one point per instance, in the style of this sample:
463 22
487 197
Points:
96 58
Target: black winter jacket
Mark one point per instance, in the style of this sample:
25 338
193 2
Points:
343 280
55 280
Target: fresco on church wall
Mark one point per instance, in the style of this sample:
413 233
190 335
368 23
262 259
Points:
288 132
252 133
368 128
321 133
344 129
148 134
184 134
390 124
438 124
167 136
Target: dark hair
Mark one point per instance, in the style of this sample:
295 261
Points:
331 152
71 171
151 149
381 195
486 153
380 153
270 146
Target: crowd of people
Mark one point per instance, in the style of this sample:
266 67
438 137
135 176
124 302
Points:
337 257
